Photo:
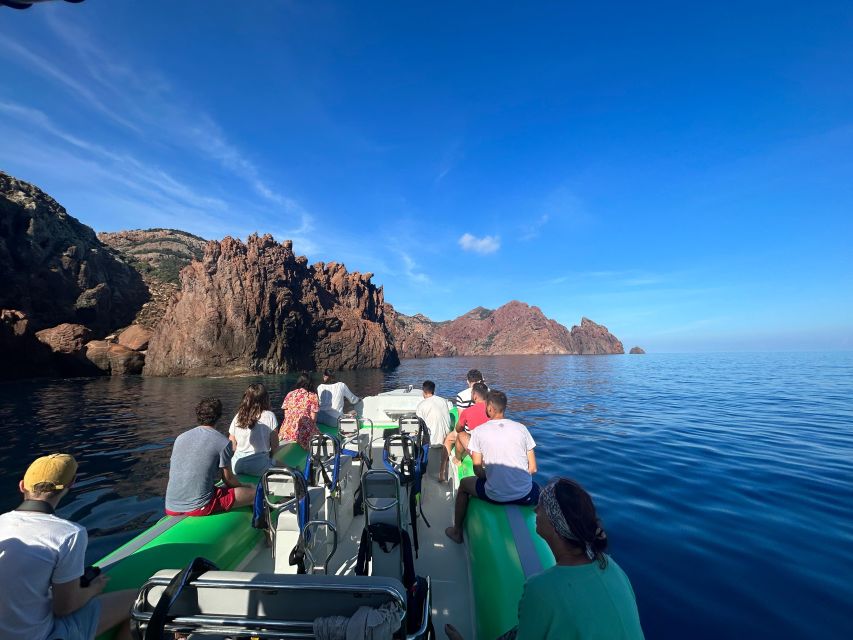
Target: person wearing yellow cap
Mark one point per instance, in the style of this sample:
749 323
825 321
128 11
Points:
42 562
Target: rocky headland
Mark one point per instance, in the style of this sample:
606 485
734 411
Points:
512 329
167 303
257 307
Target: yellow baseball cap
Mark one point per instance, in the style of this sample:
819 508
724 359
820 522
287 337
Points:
57 469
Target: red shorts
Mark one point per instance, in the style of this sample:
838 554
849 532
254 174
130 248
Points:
222 501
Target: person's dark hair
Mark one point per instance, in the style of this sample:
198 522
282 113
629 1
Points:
208 411
255 401
429 386
480 390
474 375
304 381
329 373
497 399
579 512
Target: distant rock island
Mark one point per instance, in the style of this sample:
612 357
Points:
636 351
165 302
514 328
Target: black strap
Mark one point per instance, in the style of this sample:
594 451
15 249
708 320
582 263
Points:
36 506
156 629
297 557
364 554
413 516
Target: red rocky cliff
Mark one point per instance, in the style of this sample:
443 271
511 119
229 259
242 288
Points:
514 328
256 307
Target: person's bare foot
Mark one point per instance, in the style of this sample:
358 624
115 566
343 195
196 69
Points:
452 632
454 534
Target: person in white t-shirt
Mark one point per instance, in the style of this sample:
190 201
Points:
435 412
464 398
254 432
504 464
332 394
42 561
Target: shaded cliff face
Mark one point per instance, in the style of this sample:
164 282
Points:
158 255
514 328
55 270
256 307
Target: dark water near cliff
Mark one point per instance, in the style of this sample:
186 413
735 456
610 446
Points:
725 481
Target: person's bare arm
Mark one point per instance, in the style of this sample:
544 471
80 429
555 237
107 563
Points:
479 467
68 597
460 424
531 462
230 480
274 446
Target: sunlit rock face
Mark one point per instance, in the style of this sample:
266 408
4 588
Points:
257 307
514 328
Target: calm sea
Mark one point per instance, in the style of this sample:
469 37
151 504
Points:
725 481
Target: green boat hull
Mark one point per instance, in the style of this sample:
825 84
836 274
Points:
503 548
503 551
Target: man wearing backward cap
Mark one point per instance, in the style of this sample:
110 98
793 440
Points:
42 561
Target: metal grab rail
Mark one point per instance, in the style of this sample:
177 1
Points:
270 588
310 531
349 431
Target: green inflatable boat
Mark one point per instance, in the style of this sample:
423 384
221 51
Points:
338 523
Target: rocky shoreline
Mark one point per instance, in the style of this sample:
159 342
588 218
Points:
164 302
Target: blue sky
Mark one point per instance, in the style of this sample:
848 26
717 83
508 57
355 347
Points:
680 173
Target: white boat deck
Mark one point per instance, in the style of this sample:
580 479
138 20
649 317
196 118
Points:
443 561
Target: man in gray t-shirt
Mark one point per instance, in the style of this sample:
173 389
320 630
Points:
200 457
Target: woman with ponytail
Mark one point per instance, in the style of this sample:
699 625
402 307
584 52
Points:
253 432
586 595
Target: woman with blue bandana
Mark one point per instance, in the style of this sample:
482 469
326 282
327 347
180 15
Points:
586 595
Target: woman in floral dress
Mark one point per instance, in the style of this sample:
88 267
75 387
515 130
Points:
300 413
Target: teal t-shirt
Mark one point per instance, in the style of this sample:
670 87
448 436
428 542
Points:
584 602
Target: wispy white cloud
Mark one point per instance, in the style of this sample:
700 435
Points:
52 71
532 230
125 168
144 102
449 161
410 268
484 245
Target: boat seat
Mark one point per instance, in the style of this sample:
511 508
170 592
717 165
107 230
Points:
383 505
266 605
280 493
